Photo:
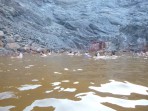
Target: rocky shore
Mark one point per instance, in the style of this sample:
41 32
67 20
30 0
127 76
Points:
41 25
11 43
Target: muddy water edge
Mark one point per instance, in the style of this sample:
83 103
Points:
76 83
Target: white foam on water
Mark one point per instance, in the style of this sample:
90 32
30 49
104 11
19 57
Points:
92 83
126 103
57 73
106 57
7 95
70 90
79 69
76 82
65 81
43 55
58 87
6 108
61 89
88 102
28 87
48 91
34 80
121 88
66 69
56 83
29 66
117 101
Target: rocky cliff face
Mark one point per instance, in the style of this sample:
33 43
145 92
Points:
57 24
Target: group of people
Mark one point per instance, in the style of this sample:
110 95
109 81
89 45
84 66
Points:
97 55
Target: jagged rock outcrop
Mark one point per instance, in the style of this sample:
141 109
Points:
73 24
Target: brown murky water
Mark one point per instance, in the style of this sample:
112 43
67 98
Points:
65 83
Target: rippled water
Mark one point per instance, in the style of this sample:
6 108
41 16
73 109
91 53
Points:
68 83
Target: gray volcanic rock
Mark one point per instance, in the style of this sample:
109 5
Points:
1 44
73 24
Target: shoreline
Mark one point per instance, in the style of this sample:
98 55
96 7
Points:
87 54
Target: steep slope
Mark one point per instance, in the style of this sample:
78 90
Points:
57 24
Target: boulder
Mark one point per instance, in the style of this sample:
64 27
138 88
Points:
35 47
4 52
10 40
12 46
1 43
21 50
1 34
51 21
18 38
27 48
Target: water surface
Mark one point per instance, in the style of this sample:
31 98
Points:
73 83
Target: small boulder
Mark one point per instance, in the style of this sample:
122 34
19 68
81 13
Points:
1 43
1 34
39 50
27 48
12 46
4 52
21 50
35 47
10 40
18 38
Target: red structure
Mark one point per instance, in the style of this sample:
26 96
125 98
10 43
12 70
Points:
97 46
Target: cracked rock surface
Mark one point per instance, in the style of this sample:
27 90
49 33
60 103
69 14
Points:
73 24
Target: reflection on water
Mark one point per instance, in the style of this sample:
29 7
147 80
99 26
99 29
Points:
6 108
35 80
28 87
76 83
89 102
65 81
56 83
68 83
68 89
121 88
6 95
